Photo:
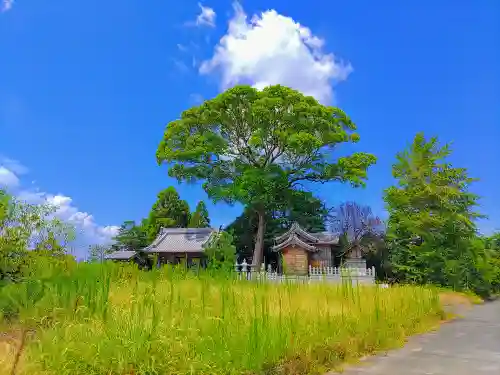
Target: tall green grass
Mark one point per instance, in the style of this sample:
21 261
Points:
113 319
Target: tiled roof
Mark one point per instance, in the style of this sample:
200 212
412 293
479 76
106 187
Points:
327 237
296 229
180 240
294 240
321 238
120 255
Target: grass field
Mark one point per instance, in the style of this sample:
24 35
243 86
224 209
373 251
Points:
108 319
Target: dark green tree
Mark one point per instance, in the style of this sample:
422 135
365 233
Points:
305 209
492 245
169 211
199 218
131 237
431 227
493 242
221 252
256 147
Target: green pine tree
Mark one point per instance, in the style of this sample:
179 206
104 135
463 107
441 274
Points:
169 211
199 218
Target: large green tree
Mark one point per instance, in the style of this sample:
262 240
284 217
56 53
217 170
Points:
431 227
169 211
257 146
199 218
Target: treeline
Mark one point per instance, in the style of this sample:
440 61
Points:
264 149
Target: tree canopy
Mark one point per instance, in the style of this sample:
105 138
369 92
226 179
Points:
131 237
169 211
221 252
29 232
199 218
431 227
257 146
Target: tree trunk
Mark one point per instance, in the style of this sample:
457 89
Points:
258 251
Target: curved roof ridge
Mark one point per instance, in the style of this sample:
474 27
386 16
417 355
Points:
294 240
296 229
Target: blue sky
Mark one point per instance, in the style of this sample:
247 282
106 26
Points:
87 87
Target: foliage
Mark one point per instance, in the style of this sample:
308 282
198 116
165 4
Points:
431 227
305 209
131 237
220 251
256 147
5 206
493 242
169 211
199 218
97 253
28 231
492 246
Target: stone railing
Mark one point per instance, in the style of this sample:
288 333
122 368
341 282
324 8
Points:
245 271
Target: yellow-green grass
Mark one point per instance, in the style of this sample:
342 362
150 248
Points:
169 322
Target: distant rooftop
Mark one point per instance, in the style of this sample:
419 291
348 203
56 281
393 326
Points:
120 255
181 240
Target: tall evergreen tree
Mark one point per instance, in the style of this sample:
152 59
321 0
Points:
169 211
199 218
431 227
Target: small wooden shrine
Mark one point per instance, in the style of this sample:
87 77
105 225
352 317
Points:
299 249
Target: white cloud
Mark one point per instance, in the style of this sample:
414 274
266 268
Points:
8 179
13 165
274 49
88 231
6 5
206 17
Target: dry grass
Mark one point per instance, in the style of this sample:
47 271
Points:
162 323
8 348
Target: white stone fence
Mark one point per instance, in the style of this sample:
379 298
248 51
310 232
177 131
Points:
245 271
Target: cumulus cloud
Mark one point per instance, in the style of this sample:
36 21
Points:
8 179
274 49
206 17
13 165
6 5
87 230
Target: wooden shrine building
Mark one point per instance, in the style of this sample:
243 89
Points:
300 249
181 245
